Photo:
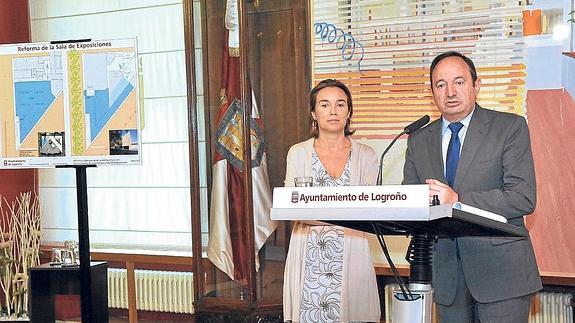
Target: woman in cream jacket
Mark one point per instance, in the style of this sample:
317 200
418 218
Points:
329 274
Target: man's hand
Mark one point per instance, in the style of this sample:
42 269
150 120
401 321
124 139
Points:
445 193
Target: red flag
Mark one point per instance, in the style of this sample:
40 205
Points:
227 247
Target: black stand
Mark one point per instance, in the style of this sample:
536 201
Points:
83 240
420 256
83 228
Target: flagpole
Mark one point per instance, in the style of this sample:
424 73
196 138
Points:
245 87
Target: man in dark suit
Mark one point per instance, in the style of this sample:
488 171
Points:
484 160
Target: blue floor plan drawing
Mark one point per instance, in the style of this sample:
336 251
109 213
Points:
37 83
109 79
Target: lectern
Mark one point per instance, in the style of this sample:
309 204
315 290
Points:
394 210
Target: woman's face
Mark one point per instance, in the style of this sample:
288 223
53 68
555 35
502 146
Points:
331 110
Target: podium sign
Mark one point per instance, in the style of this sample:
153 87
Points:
395 209
390 202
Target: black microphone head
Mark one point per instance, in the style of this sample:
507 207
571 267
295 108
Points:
416 124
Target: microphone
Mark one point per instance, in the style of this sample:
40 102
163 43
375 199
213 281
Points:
410 128
415 125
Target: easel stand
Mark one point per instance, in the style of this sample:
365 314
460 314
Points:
83 240
83 227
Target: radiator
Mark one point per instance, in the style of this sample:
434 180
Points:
160 291
545 308
551 308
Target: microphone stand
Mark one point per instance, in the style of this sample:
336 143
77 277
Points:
380 171
414 126
413 301
406 293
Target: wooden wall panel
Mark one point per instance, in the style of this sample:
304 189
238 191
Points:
551 114
14 22
280 76
213 45
15 28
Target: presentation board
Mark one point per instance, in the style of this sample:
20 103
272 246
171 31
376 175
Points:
69 103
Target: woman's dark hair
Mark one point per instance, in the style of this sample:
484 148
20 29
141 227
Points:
445 55
313 99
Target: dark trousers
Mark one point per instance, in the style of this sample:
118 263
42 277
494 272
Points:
466 309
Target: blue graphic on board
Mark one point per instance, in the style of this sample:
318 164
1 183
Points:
108 80
37 83
32 100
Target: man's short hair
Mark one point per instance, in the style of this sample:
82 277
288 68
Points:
452 53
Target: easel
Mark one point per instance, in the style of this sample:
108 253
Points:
88 279
83 239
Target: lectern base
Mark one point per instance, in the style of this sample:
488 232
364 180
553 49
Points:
416 307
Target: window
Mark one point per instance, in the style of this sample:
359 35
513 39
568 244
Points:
386 63
130 207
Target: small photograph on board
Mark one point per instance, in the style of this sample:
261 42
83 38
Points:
51 144
124 142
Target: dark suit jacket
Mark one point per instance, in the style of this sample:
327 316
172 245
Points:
495 173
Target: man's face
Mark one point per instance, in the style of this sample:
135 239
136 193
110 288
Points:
454 91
